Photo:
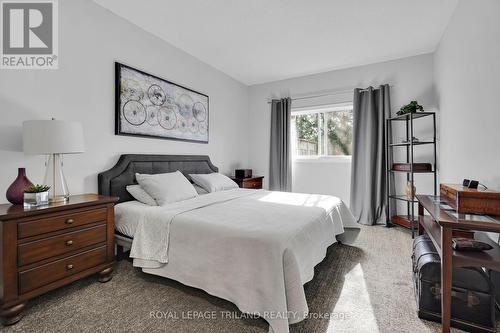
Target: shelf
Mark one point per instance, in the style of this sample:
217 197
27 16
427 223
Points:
490 258
403 198
407 144
416 115
403 221
400 171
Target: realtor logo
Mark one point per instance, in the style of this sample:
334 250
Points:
29 34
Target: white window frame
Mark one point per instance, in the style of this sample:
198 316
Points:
321 157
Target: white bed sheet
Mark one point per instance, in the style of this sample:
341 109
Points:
127 216
254 248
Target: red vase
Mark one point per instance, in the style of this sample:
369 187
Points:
15 192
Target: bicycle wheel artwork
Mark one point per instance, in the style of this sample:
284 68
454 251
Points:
203 128
185 104
132 90
199 111
156 94
134 113
167 118
152 115
193 125
149 106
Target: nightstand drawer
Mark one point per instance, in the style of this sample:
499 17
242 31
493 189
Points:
45 274
55 222
252 183
48 247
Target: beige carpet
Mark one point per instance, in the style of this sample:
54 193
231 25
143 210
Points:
362 288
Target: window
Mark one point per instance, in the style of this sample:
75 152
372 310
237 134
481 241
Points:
325 131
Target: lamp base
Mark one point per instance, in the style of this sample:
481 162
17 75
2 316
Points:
59 198
54 177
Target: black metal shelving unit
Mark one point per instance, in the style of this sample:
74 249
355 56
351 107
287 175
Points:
408 119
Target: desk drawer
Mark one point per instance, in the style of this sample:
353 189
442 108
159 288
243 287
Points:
59 222
49 247
253 183
45 274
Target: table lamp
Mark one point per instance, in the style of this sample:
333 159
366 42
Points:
53 138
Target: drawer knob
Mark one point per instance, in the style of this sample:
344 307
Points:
69 243
68 267
69 221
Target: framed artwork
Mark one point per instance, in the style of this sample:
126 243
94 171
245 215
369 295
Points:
149 106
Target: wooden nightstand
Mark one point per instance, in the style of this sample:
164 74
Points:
48 247
252 182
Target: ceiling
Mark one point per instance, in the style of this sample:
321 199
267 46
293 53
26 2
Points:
257 41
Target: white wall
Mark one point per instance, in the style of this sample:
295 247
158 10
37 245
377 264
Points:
323 177
82 89
467 71
412 79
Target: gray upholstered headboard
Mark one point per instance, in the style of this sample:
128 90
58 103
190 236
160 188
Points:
113 181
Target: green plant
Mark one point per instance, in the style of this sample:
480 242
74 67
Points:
307 127
409 108
36 188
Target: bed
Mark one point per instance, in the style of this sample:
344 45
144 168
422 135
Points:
255 248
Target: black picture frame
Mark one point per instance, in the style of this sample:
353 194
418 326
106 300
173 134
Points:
119 104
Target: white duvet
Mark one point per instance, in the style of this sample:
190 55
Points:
253 248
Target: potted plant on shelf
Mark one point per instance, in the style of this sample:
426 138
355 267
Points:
36 195
410 108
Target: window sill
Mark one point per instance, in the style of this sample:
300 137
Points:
322 159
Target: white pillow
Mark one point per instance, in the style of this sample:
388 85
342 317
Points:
140 195
213 182
167 188
200 190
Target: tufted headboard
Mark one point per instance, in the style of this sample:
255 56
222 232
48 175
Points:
113 181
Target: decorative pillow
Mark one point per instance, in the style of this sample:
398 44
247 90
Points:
200 190
213 182
140 195
167 188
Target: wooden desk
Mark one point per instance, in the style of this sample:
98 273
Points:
439 226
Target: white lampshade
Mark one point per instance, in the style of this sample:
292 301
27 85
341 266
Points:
52 137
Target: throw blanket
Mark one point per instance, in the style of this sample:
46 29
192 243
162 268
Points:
254 248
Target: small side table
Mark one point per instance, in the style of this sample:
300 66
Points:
252 182
439 227
47 247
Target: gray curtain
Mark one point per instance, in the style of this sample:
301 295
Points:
280 166
368 168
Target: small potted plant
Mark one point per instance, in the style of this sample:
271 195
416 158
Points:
410 108
36 195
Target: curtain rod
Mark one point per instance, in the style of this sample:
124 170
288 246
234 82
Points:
323 94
